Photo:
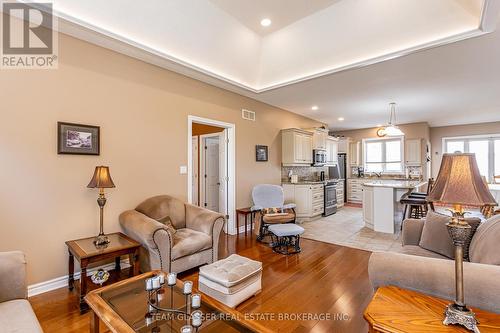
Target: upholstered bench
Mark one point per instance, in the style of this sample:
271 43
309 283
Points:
285 236
231 280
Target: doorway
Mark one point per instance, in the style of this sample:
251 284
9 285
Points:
211 167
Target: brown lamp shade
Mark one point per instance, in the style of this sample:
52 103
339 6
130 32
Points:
459 182
101 178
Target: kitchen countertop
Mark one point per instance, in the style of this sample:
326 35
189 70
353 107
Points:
398 184
304 182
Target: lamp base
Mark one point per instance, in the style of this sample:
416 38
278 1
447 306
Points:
101 241
456 314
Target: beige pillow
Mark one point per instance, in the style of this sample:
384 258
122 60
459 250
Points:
484 246
168 224
435 236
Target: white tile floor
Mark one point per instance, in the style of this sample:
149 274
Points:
346 227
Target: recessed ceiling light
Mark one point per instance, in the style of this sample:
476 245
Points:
265 22
340 119
314 107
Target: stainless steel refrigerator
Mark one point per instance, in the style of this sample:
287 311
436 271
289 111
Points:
339 172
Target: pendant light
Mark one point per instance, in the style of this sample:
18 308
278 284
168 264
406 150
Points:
392 129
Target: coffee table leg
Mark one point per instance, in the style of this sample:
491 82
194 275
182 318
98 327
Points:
83 286
71 271
134 262
94 323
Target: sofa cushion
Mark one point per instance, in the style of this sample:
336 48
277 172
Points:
231 271
484 245
435 235
416 250
189 241
18 316
162 206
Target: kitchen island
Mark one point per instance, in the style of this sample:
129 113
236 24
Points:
382 211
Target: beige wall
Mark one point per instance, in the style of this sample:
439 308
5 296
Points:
438 133
142 111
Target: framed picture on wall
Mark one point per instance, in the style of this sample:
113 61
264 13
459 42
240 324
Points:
261 153
78 139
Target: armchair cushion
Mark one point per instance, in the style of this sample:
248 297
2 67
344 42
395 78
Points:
161 206
189 241
281 218
12 276
484 245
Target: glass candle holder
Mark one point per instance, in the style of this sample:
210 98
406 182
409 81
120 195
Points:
196 301
188 287
196 318
171 279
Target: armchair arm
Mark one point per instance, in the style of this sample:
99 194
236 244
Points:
12 276
412 230
201 219
436 277
152 235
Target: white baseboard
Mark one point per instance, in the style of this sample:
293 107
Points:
62 281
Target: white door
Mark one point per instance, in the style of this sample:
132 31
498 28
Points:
212 173
223 167
196 157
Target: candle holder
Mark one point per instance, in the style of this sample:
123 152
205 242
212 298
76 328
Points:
155 288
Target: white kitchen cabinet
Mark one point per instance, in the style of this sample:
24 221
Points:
355 190
343 146
320 139
331 151
296 147
413 152
340 194
309 199
355 154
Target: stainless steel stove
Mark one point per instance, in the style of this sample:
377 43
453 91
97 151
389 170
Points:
330 197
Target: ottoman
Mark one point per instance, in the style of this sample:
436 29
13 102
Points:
284 236
231 280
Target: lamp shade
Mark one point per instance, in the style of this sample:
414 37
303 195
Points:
101 178
459 182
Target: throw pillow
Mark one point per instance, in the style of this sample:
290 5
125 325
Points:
271 210
168 224
435 235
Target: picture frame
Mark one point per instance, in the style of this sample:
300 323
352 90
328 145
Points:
261 153
78 139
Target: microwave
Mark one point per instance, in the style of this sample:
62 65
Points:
319 157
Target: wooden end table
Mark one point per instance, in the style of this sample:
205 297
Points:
245 212
398 310
86 253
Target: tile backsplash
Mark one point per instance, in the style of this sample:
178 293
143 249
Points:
305 173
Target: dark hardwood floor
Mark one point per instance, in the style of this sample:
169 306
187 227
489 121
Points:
324 279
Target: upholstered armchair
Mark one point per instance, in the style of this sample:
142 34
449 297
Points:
16 314
175 236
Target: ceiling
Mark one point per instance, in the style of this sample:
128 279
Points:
251 12
437 59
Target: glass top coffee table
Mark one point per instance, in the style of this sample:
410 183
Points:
123 307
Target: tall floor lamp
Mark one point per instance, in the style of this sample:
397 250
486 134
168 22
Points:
459 183
101 180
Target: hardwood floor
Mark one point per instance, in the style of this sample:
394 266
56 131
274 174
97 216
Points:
323 279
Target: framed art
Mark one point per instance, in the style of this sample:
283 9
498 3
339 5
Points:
261 153
78 139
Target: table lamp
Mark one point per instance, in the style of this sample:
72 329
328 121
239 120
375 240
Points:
459 183
101 180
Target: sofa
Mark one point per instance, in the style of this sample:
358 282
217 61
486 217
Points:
16 314
433 273
175 236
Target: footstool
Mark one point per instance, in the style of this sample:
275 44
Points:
284 236
231 280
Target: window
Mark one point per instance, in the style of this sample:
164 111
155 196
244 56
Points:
383 155
486 149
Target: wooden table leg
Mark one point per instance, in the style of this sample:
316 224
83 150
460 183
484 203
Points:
83 285
71 271
134 263
94 323
237 223
118 266
246 222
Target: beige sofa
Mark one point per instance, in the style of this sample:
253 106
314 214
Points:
431 273
16 314
191 240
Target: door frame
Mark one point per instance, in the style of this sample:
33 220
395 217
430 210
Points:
230 227
203 159
196 167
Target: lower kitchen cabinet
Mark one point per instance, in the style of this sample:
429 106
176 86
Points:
309 199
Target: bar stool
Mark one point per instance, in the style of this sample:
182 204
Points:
417 202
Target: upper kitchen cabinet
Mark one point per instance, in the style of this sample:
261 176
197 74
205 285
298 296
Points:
343 145
355 154
320 137
296 147
332 150
413 152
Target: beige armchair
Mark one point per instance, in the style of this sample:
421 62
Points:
434 274
175 236
16 314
